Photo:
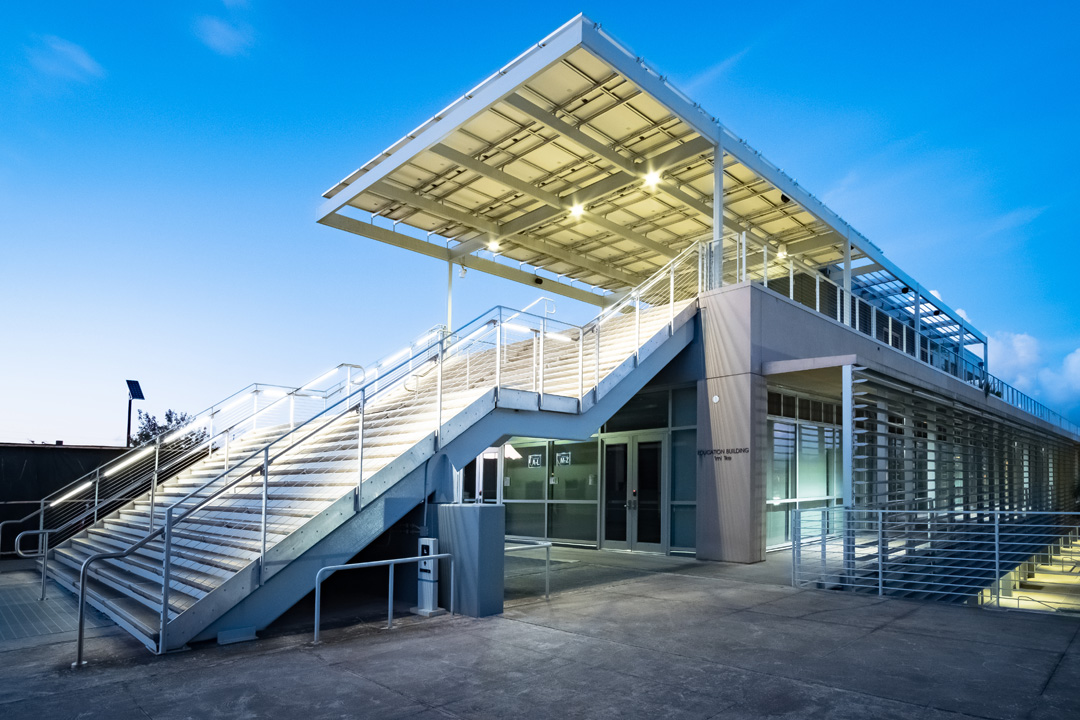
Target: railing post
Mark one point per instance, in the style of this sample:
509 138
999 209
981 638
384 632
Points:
671 303
292 409
262 532
742 255
796 550
765 263
390 601
581 367
360 451
43 541
97 492
534 363
318 604
700 270
154 479
166 574
540 365
547 571
498 355
881 552
210 442
996 587
637 328
439 361
596 332
79 662
44 562
255 408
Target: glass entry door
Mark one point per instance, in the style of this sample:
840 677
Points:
633 482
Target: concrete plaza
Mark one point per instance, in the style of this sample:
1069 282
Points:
623 636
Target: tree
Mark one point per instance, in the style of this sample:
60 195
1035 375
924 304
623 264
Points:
150 428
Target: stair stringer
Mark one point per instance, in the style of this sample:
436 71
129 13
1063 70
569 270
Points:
482 425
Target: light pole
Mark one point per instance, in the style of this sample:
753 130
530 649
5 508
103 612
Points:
134 393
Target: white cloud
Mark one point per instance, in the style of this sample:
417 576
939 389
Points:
1062 384
963 313
936 294
64 59
1016 358
224 37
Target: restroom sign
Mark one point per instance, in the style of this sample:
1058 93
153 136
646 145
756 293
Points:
562 458
536 460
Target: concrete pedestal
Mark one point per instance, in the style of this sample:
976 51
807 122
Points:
475 535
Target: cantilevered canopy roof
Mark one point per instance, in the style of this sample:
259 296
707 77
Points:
579 168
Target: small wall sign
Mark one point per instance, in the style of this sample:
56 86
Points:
723 454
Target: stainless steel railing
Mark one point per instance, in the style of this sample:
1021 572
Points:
323 572
1017 560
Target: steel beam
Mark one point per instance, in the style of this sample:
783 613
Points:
374 232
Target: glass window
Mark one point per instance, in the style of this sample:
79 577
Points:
789 406
684 407
782 460
683 465
572 521
525 477
776 404
525 519
573 472
813 462
833 451
490 484
468 482
683 526
644 411
804 409
778 524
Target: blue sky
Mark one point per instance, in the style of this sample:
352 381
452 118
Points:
161 163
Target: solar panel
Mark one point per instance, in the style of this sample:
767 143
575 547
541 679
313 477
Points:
134 391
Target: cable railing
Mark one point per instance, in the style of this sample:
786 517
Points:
276 485
1015 560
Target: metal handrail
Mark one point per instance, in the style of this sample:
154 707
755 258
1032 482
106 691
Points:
319 577
944 554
